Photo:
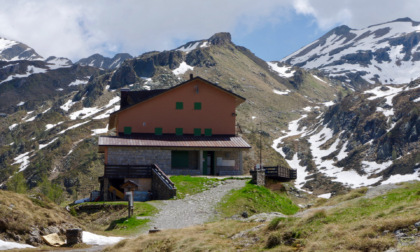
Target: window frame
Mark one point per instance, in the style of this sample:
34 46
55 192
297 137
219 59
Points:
179 131
208 132
197 131
197 105
179 105
158 131
127 130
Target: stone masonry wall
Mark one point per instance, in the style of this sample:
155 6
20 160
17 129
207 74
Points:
140 156
223 170
159 189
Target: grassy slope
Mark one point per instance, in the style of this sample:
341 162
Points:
255 199
191 185
20 214
356 224
112 218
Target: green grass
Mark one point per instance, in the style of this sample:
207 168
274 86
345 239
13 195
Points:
192 185
127 225
255 199
357 225
114 220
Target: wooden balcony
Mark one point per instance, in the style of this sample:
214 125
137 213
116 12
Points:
280 172
128 171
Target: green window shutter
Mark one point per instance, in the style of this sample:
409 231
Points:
127 130
179 105
197 132
158 131
197 105
178 131
207 132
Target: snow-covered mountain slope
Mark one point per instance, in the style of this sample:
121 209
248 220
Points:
387 53
60 62
99 61
12 50
368 138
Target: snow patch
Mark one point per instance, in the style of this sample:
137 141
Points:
183 67
100 131
78 82
282 71
66 106
11 127
50 126
72 127
281 92
189 48
23 160
325 196
42 146
94 239
403 178
6 245
29 71
87 112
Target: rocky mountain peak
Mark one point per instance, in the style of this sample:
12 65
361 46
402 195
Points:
220 38
99 61
386 53
11 50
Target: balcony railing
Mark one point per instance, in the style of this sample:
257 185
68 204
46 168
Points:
128 171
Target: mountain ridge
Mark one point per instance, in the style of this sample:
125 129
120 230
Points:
386 53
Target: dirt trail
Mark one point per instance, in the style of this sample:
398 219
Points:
194 209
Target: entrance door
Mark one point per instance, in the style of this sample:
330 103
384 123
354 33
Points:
210 161
205 163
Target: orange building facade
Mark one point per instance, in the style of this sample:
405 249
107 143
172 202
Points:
188 129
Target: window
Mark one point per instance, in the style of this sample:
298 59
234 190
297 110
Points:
179 105
127 130
158 131
178 131
197 132
207 132
197 105
179 159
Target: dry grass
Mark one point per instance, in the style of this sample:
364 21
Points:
20 214
208 237
357 225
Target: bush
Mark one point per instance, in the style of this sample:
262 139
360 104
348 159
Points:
17 183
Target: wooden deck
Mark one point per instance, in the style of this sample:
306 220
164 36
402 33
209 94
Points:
128 171
280 172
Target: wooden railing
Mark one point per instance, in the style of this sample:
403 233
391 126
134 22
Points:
280 172
162 187
128 171
163 176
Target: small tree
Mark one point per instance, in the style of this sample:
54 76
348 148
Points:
17 183
52 191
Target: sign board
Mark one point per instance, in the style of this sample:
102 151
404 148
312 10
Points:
130 198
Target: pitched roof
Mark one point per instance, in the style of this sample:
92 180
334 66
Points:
173 141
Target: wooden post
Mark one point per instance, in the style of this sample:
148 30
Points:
130 203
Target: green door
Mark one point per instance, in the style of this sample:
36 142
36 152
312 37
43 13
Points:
205 163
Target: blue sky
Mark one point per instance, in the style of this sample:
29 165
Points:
271 29
276 41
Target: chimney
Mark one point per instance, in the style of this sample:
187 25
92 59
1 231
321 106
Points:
124 96
191 76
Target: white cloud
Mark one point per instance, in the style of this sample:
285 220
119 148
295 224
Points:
80 28
356 13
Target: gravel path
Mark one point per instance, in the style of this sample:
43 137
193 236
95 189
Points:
192 210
